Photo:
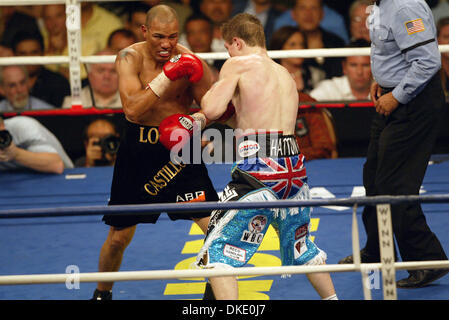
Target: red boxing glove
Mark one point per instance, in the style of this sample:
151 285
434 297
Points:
184 65
180 125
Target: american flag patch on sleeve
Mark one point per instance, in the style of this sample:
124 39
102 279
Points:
414 26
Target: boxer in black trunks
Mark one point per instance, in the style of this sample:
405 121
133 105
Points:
158 78
145 173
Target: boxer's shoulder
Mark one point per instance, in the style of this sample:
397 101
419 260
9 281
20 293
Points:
182 49
133 54
242 64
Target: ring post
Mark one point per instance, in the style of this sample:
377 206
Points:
386 245
73 24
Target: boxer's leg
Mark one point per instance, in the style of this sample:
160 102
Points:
233 240
298 249
111 253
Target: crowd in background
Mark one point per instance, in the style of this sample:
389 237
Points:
108 27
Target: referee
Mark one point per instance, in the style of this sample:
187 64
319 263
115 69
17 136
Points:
409 101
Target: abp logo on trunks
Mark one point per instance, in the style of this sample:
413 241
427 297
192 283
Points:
198 196
254 233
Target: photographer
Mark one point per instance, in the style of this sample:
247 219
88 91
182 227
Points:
27 144
101 142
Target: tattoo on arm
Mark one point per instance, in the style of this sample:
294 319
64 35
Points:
124 54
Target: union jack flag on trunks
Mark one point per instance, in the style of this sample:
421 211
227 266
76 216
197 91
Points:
285 176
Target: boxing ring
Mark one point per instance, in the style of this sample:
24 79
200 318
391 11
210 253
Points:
51 230
45 236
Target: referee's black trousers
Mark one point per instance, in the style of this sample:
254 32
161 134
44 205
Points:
398 154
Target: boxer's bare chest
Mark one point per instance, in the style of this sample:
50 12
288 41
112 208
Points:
176 99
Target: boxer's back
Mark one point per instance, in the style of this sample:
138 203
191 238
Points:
266 97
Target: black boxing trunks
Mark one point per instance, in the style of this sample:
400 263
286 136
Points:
144 173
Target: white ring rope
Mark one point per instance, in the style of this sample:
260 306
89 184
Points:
275 54
177 274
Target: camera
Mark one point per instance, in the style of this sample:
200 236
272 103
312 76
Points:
5 139
109 144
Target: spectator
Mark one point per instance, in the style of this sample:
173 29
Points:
12 21
44 84
101 141
263 10
136 19
308 15
15 88
281 5
97 24
443 38
218 11
315 131
291 38
54 33
120 39
354 85
358 13
5 51
32 147
332 21
441 10
34 11
102 91
199 35
54 29
340 6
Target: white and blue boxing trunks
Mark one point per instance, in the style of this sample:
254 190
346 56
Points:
272 168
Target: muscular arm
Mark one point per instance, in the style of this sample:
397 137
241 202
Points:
39 161
215 101
200 88
136 101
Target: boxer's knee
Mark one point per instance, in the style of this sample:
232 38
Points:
119 239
